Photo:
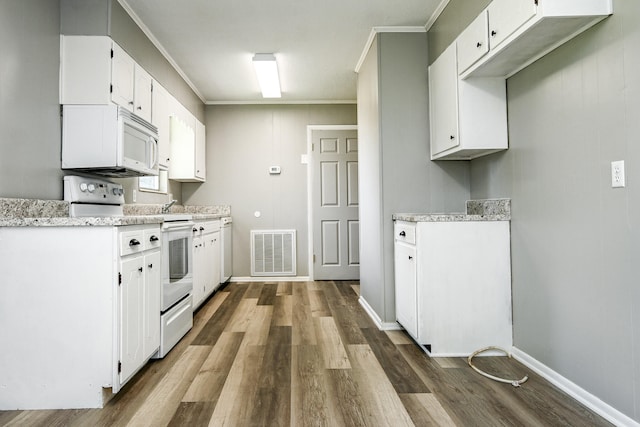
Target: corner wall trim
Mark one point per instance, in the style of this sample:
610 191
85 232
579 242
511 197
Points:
376 30
572 389
383 326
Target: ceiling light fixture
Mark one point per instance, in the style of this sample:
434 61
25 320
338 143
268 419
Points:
267 72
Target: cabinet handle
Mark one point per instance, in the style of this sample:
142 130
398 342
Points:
140 108
402 234
452 137
478 44
140 269
153 238
134 242
150 265
201 228
493 33
130 102
195 230
410 257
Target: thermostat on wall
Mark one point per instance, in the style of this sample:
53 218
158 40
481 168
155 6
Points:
274 170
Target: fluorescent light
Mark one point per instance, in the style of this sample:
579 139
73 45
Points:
267 72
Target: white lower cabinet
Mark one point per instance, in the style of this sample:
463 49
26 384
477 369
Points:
84 310
453 285
139 301
206 260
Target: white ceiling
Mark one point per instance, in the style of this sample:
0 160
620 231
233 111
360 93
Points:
317 43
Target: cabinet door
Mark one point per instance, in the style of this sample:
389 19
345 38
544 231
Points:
122 78
406 287
151 309
142 95
200 160
131 316
473 43
506 16
160 113
212 249
199 271
443 101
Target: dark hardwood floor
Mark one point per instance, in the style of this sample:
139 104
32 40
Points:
306 354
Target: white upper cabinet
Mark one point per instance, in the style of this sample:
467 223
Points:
473 43
142 93
187 149
506 16
161 111
522 31
96 70
468 118
443 102
122 78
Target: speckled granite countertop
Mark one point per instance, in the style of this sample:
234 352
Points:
477 210
55 213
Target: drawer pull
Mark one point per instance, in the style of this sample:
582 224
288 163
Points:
134 242
402 234
154 238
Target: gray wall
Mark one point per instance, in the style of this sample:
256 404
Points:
242 142
30 119
395 173
575 240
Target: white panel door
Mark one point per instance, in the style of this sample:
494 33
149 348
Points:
336 230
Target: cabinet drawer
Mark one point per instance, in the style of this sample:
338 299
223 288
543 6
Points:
152 238
131 242
405 232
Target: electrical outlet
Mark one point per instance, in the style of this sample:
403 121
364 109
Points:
617 174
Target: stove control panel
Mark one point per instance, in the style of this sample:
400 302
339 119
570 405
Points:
80 189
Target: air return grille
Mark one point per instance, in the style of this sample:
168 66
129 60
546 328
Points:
273 252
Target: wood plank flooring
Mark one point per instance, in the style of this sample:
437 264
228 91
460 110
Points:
306 354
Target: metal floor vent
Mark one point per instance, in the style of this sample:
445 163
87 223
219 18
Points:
273 252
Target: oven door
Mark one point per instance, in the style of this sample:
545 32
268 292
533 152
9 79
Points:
177 263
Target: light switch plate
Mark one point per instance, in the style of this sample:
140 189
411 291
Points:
617 174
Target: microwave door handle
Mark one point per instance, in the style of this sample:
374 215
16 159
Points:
153 152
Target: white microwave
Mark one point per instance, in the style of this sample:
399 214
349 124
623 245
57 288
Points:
108 140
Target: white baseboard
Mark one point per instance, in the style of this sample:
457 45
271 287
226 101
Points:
383 326
270 279
572 389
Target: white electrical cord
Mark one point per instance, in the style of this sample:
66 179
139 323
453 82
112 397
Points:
515 383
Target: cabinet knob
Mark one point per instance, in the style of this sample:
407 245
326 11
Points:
493 33
150 265
201 228
140 269
195 230
410 257
452 137
478 44
402 233
134 242
130 102
153 238
140 107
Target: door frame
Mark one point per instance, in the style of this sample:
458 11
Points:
310 189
